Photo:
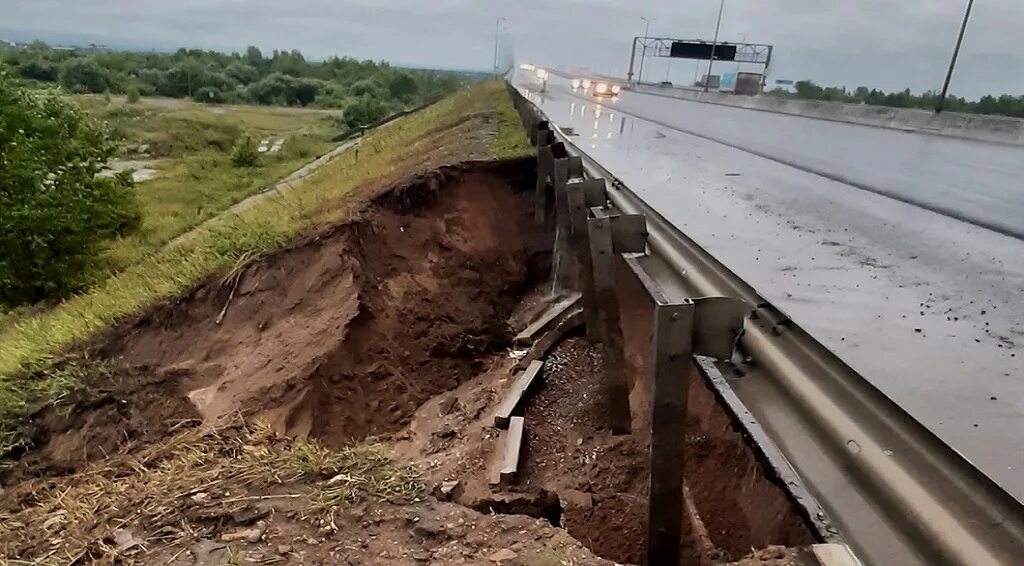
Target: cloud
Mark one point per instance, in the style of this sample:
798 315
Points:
878 43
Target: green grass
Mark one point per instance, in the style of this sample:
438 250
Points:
192 144
511 141
29 346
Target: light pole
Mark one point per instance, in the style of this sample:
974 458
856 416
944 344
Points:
714 44
956 53
643 56
497 33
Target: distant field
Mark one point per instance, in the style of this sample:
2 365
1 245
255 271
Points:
189 147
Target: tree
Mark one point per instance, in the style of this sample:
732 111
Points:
364 111
83 75
402 86
55 209
367 87
254 57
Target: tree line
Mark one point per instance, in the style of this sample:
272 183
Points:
57 211
370 89
1003 105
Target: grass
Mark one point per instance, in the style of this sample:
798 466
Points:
198 472
196 180
29 347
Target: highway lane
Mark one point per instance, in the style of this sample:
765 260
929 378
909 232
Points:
926 306
973 181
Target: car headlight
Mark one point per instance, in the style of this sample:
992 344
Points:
542 74
616 89
575 84
586 83
601 88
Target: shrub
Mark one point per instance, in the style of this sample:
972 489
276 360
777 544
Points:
133 93
365 111
209 95
245 154
84 75
55 209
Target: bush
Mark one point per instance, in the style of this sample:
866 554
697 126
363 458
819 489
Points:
84 75
245 154
403 86
365 111
55 211
133 93
209 95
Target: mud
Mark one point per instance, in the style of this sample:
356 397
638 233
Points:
339 336
571 451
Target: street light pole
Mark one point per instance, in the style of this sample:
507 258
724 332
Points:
643 56
714 44
956 53
497 33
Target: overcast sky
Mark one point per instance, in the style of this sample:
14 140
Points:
888 44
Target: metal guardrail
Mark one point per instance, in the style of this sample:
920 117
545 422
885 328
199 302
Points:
900 495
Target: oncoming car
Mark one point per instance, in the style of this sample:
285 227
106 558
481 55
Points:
605 89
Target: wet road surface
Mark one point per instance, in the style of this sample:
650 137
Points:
926 305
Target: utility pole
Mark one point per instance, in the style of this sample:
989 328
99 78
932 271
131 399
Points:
643 57
497 33
714 44
952 63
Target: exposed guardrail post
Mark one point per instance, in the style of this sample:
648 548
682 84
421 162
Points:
673 365
611 235
683 328
585 194
564 170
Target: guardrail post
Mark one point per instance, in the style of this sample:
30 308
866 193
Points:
673 354
545 169
585 194
611 235
709 327
564 170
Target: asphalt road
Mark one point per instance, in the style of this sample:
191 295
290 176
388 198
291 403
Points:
900 252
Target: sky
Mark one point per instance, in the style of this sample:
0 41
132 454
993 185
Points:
888 44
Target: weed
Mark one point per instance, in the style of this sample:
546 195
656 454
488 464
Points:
160 486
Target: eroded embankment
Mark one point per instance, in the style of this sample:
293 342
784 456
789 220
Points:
338 336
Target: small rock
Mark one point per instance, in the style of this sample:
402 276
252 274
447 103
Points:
448 490
447 405
421 556
250 535
200 498
577 499
427 527
283 549
502 555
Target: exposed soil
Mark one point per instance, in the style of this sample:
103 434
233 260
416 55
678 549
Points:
603 479
339 336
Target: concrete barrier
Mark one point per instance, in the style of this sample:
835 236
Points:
998 129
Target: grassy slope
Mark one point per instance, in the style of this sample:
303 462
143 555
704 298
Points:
192 143
27 350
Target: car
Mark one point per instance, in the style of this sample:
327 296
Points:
606 89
